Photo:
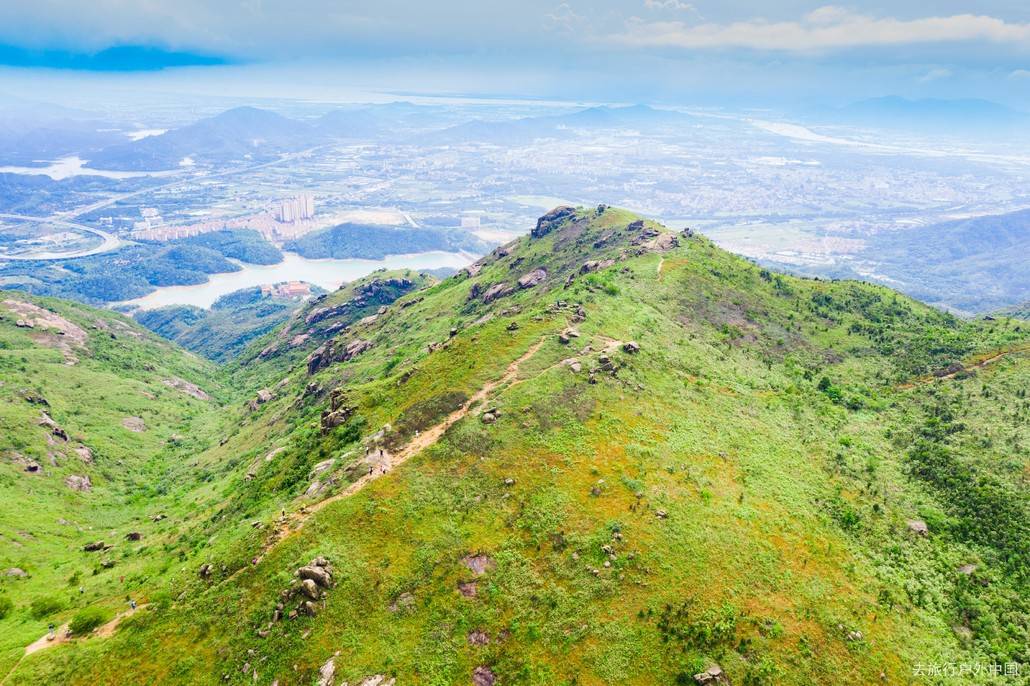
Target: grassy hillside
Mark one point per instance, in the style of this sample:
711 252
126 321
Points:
99 418
605 454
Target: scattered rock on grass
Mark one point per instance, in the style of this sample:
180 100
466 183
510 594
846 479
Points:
479 564
918 527
483 676
79 483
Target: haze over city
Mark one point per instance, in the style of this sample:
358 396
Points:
551 342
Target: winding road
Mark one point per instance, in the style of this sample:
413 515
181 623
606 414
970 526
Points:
109 242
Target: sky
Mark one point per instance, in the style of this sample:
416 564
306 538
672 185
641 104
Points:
609 50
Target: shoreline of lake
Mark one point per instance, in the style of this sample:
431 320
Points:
328 273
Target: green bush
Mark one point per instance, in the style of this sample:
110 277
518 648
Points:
45 606
86 620
5 606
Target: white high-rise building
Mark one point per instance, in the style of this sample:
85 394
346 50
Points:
296 209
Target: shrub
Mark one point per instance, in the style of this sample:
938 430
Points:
5 606
86 620
45 606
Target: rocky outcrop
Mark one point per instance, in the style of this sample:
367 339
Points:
95 546
483 676
312 582
552 220
533 278
134 424
84 453
55 430
496 292
78 483
375 292
479 564
338 412
918 527
327 672
184 386
595 265
712 675
336 351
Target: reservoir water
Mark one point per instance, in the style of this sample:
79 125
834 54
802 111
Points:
329 274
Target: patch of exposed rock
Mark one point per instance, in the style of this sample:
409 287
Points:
553 220
335 351
533 278
134 424
483 676
712 675
479 564
184 386
79 483
338 412
312 581
55 430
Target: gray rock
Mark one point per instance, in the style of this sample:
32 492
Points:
327 672
310 589
318 575
712 675
78 483
533 278
552 220
483 676
479 564
918 527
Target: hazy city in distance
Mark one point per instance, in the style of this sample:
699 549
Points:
537 343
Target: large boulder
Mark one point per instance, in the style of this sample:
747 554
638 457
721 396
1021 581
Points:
533 278
496 292
78 483
321 576
712 675
336 351
552 220
327 673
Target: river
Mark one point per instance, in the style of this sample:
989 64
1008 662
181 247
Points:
329 274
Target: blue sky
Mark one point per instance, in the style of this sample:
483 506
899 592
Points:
662 49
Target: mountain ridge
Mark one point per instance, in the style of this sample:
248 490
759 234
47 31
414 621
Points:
551 466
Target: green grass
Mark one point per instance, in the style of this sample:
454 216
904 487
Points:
785 497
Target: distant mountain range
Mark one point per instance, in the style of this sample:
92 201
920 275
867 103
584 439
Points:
937 115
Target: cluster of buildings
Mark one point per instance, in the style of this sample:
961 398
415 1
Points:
296 209
289 289
290 218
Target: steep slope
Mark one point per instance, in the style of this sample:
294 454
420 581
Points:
605 453
227 328
98 416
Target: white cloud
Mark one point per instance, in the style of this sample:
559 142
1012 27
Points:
1020 74
826 28
935 74
669 5
563 18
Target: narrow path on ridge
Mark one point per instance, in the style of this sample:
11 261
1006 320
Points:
416 445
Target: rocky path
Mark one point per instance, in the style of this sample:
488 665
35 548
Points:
62 636
423 440
979 364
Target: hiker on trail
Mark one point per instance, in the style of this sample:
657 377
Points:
132 605
50 632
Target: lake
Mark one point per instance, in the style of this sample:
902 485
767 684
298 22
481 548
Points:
329 274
